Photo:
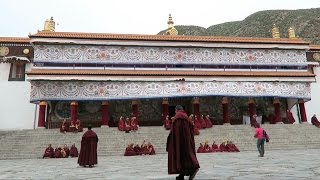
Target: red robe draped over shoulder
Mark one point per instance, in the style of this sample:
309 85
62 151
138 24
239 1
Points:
48 153
88 150
121 125
215 148
182 158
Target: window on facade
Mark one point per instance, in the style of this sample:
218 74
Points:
17 72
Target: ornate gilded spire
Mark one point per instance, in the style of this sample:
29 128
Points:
49 25
291 33
275 31
171 30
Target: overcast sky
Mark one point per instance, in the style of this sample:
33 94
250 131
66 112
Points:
21 17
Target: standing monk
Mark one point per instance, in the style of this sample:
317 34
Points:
88 150
182 158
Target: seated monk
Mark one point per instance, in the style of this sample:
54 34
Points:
66 149
137 149
200 148
130 150
121 124
208 122
290 117
63 153
57 152
127 125
151 149
134 123
206 147
78 126
144 148
215 147
167 123
315 121
195 129
203 122
223 147
232 147
64 126
74 151
49 152
197 122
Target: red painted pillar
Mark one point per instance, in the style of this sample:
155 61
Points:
104 114
252 111
42 114
302 111
165 108
134 106
196 107
74 111
277 111
225 109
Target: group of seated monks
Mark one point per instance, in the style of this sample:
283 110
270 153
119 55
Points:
144 149
71 126
226 146
60 152
198 123
128 124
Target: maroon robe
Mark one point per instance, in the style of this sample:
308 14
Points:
233 147
200 148
290 117
207 148
223 147
182 158
66 149
203 123
129 151
137 150
57 153
88 150
167 124
197 123
315 121
121 125
134 124
215 148
74 151
64 126
48 153
151 150
127 125
144 149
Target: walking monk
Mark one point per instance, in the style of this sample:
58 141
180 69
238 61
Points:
182 158
88 150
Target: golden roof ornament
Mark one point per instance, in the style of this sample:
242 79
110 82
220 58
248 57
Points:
291 33
171 30
275 31
49 25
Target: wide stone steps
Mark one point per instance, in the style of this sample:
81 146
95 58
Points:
31 143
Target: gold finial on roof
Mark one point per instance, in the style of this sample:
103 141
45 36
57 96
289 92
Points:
49 25
291 33
171 30
275 32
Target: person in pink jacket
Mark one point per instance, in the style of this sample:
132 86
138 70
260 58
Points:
261 136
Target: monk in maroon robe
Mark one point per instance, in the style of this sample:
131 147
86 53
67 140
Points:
127 125
223 147
57 152
232 147
314 121
215 147
134 124
151 149
66 150
182 158
64 126
195 129
167 123
88 150
144 149
49 152
206 147
203 122
197 122
129 150
290 117
208 122
74 151
78 126
200 148
121 124
137 149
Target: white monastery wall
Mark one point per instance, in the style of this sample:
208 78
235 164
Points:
313 106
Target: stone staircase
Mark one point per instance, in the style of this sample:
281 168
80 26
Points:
32 143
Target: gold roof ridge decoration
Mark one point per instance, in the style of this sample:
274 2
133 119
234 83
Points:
291 33
275 31
49 25
171 29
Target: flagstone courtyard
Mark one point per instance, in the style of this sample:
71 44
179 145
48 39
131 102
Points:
277 164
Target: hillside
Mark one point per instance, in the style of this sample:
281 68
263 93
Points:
306 23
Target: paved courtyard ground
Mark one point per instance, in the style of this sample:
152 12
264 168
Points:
293 164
